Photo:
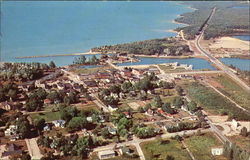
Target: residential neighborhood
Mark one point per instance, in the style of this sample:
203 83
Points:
115 80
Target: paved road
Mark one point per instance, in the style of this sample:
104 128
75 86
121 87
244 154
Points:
220 65
197 72
33 148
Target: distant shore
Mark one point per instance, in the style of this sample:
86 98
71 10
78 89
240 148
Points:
57 55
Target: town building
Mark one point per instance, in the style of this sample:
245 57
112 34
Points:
59 123
217 151
106 154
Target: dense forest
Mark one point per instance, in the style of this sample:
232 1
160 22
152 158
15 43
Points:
164 46
227 19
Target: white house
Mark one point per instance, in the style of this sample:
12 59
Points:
106 154
112 108
234 124
217 151
89 119
11 130
59 123
112 130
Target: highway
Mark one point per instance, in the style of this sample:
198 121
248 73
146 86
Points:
220 65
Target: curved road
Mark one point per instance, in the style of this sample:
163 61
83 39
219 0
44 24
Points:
220 65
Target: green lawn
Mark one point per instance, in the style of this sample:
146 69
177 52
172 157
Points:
213 102
200 146
154 150
169 69
234 91
48 116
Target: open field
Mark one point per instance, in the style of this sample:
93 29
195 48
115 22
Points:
48 116
213 102
234 91
88 107
201 146
229 42
156 150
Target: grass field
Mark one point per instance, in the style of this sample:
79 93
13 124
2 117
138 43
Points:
88 107
48 116
200 146
90 70
213 102
242 142
234 91
154 150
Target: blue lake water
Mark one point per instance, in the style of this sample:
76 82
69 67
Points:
240 7
245 37
196 62
243 64
46 27
59 60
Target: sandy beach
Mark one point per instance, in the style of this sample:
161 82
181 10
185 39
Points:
175 22
229 42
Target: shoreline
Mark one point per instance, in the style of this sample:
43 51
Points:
59 55
93 53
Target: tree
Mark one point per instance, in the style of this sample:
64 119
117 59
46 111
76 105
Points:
169 157
52 64
12 94
157 101
179 90
25 156
80 60
145 85
123 132
166 107
66 100
39 124
82 146
77 123
178 102
53 96
73 97
115 89
23 127
110 100
33 105
192 106
105 133
93 60
41 93
68 112
244 132
126 87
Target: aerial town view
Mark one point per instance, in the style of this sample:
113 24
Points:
124 80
